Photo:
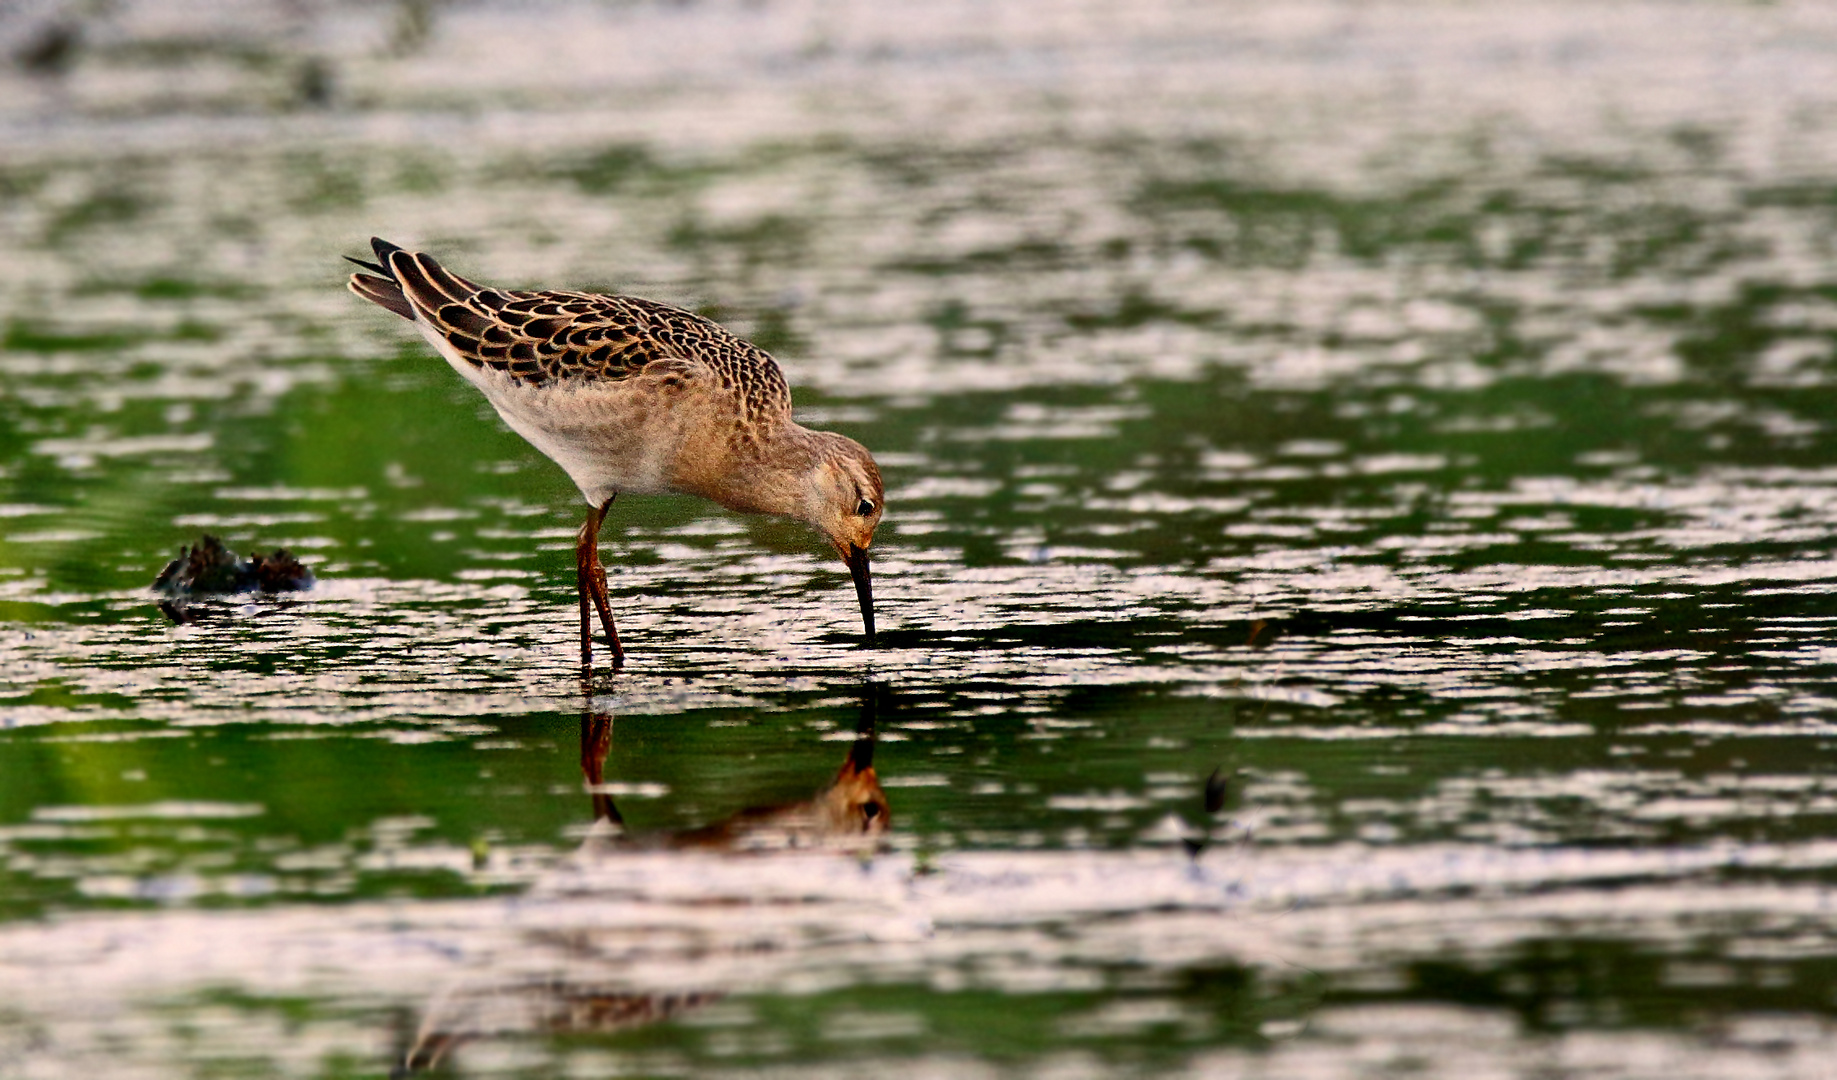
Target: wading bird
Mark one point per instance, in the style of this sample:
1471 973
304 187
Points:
630 395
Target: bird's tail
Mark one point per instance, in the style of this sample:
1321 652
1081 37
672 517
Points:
385 292
413 282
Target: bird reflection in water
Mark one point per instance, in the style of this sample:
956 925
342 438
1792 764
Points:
849 815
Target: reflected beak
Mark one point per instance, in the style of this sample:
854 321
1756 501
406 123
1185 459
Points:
864 586
860 757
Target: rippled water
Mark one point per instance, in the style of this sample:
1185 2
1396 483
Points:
1417 417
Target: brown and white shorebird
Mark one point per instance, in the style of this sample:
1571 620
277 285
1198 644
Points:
630 395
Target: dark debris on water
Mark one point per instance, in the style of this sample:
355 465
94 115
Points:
208 567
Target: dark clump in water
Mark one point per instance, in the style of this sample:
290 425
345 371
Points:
208 567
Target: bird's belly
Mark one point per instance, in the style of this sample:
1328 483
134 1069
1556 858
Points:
607 437
602 462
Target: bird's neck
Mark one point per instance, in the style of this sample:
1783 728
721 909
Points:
765 474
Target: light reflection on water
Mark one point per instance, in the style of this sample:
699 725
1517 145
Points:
1424 414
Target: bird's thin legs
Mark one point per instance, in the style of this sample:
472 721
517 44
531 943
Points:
601 598
590 578
595 743
586 616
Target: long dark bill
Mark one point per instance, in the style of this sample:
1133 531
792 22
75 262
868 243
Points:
861 755
864 587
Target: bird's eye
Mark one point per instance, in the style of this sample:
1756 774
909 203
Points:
866 507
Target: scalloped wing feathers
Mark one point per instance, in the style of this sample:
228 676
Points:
550 337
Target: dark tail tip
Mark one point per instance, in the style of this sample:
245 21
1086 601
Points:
383 249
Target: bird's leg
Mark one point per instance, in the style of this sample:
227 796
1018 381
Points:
580 582
595 743
602 599
590 578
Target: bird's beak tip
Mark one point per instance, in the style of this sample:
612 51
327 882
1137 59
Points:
857 560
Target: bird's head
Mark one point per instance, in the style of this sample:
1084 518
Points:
843 499
855 804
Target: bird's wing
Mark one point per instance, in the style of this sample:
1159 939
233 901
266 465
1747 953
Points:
544 338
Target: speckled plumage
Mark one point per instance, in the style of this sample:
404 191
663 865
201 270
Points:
546 338
629 395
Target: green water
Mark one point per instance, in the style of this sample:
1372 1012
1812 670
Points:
1421 417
